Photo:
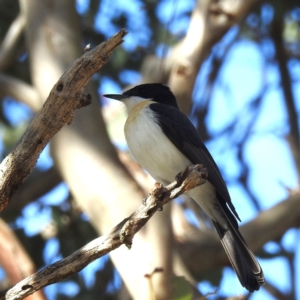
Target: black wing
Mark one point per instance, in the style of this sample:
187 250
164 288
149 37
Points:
182 133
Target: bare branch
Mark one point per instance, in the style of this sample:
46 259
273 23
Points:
65 97
286 81
123 233
19 90
210 21
10 42
37 185
275 292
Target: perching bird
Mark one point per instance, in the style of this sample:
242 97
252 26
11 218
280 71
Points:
165 142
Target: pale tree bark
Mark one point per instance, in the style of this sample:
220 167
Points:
17 89
210 21
84 155
14 259
10 44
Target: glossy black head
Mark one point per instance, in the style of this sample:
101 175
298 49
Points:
156 91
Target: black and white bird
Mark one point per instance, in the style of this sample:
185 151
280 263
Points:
165 142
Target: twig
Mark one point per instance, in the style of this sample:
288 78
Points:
274 291
123 233
293 137
66 96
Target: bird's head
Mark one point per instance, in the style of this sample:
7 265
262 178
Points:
156 92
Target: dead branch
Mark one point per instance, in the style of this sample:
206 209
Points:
65 97
123 233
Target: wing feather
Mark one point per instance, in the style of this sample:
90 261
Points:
182 133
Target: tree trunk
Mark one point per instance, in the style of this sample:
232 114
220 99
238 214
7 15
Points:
85 157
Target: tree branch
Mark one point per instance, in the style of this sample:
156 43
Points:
37 185
14 259
202 250
65 97
9 45
123 233
210 21
287 88
19 90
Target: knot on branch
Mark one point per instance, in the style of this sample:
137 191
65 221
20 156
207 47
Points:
59 86
159 191
193 175
26 287
85 100
197 175
127 234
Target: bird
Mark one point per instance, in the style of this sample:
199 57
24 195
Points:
164 142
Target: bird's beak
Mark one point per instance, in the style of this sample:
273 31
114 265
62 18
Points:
119 97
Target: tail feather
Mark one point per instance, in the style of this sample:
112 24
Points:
242 259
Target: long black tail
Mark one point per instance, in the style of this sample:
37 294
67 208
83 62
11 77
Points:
242 259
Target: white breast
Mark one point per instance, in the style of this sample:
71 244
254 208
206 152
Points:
157 154
150 147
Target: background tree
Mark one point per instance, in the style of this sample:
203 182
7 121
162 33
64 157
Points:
234 68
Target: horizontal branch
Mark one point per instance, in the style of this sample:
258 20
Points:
65 97
202 250
123 233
